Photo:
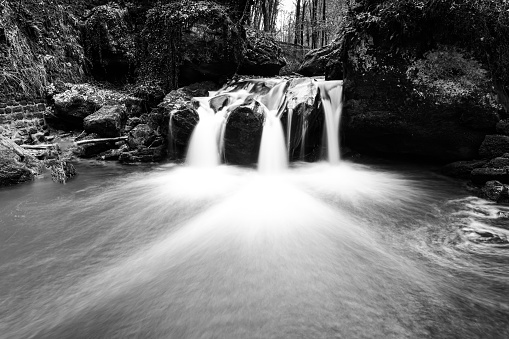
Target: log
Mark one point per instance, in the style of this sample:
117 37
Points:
91 141
42 146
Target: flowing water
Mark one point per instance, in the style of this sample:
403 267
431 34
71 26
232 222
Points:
321 251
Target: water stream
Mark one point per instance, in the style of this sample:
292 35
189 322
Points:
204 250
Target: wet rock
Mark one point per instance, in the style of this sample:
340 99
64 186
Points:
107 121
109 43
141 136
16 165
495 191
462 169
307 113
112 154
482 175
494 146
485 236
243 134
262 56
143 154
499 162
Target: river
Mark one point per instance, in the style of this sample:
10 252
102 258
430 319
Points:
317 251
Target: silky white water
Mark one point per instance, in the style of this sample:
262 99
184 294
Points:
182 252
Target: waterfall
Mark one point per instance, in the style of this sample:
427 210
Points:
272 158
331 93
275 96
203 148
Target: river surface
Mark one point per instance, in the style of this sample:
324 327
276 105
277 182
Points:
318 251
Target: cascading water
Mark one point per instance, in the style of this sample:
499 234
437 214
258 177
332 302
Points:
275 96
203 146
273 157
331 93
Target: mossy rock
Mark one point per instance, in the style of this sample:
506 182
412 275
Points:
188 42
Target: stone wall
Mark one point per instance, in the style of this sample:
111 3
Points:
21 119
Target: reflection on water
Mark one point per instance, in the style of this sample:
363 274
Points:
318 251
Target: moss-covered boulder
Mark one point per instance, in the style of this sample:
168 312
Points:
109 43
416 84
107 121
190 41
73 105
262 56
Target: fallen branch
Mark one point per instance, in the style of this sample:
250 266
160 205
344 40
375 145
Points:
42 146
91 141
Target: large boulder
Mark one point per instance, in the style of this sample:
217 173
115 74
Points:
107 121
494 146
262 56
73 105
326 60
109 43
188 42
410 89
243 134
16 165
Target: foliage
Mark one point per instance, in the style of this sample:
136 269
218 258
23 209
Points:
38 45
108 41
448 73
480 27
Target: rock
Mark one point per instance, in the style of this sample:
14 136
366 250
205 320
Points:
485 236
503 127
141 136
243 134
494 146
484 174
462 169
209 48
107 121
499 162
496 191
16 165
178 112
262 56
75 104
143 154
112 154
324 61
109 44
304 100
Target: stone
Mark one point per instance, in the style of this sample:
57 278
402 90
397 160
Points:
16 165
462 169
494 146
107 121
496 191
262 55
75 104
485 174
243 134
141 136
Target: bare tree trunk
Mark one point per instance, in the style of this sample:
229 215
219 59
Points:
302 23
324 23
297 23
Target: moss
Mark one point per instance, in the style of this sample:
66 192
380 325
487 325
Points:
166 48
39 44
